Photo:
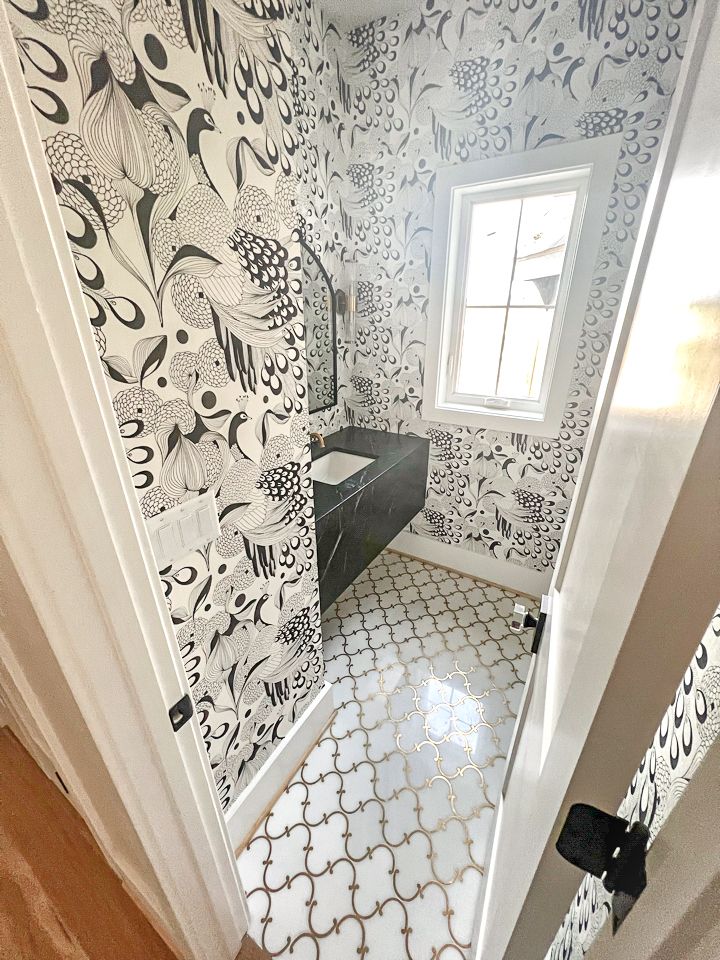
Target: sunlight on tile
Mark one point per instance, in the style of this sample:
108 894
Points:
378 846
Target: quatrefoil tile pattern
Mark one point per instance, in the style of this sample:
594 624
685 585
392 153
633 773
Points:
378 845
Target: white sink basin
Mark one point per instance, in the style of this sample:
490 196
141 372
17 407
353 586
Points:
336 466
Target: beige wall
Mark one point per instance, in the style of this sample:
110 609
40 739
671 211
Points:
44 715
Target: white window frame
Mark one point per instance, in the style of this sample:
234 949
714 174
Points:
587 166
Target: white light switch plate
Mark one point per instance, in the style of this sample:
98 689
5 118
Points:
175 533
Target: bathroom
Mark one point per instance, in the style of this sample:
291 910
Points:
356 453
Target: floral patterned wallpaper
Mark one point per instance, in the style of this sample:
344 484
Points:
319 112
688 729
191 144
171 140
453 81
320 346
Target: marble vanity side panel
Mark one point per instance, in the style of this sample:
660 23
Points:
350 537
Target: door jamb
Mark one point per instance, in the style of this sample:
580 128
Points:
697 41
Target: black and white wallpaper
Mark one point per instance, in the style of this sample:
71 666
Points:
453 81
318 113
170 136
320 346
688 729
191 144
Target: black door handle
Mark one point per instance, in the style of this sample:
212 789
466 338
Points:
522 620
610 848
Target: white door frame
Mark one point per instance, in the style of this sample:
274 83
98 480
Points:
528 886
71 522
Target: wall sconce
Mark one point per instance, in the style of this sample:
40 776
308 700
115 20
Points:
352 301
341 303
346 303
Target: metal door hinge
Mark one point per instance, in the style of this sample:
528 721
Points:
181 712
610 848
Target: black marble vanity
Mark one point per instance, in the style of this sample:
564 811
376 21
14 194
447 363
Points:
358 517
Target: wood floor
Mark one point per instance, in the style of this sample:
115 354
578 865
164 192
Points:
59 898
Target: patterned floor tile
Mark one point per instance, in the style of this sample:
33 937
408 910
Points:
378 846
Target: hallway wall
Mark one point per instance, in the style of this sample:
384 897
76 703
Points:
169 134
30 675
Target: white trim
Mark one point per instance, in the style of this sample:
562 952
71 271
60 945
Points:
22 713
576 180
267 785
593 163
478 565
72 525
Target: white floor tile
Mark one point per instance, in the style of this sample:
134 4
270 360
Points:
378 846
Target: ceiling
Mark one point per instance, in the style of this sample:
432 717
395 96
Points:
350 13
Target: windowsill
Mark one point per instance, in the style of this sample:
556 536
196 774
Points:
504 421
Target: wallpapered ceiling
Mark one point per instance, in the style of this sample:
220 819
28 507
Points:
455 81
688 729
169 134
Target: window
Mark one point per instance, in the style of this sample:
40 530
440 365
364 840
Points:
515 243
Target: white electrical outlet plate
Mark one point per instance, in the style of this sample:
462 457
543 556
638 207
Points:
190 525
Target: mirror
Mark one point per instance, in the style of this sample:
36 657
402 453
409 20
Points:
320 332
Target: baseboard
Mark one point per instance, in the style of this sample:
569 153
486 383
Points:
261 793
512 576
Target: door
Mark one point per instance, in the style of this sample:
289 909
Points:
71 525
636 582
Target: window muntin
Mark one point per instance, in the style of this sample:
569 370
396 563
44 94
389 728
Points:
513 244
477 318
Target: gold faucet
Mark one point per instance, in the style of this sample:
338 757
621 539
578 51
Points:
317 438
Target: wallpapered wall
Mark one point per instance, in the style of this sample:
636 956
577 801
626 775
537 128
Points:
169 134
452 82
688 729
319 345
319 115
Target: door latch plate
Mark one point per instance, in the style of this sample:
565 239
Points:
181 712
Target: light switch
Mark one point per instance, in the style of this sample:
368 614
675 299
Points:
209 522
167 539
189 530
189 526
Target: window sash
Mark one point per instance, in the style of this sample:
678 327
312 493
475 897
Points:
463 200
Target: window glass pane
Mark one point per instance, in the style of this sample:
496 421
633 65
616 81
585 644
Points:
480 348
524 352
493 232
515 258
542 240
